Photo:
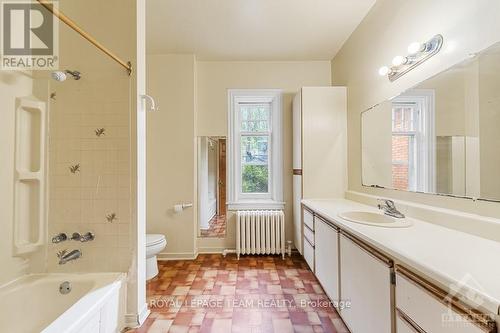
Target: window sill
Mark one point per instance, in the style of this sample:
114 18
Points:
256 205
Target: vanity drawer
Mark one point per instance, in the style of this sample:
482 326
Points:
309 219
309 234
309 253
423 304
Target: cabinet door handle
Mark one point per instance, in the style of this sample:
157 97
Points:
476 317
309 242
409 322
368 249
308 227
327 222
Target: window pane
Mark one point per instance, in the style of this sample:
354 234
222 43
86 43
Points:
254 117
404 118
255 178
254 149
403 162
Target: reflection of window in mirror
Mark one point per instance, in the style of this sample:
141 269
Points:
212 186
413 142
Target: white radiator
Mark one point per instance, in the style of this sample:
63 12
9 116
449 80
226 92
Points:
260 232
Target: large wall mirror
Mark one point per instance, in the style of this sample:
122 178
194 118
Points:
440 137
212 186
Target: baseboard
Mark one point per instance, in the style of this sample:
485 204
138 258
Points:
211 250
177 256
137 319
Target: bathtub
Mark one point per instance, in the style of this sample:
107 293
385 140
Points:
33 303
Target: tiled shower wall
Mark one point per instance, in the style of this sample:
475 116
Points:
89 163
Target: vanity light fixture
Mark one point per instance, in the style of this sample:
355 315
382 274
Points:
417 54
415 48
384 70
399 60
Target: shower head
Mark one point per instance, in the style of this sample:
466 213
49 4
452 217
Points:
59 76
63 75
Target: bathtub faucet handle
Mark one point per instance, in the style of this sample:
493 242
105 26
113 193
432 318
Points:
76 236
89 236
59 238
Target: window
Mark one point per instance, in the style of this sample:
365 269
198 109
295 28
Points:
413 152
255 149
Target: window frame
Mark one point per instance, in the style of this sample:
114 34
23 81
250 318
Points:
273 199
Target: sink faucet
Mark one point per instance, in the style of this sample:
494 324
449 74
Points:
390 209
64 256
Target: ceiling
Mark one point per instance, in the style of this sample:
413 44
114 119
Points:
253 29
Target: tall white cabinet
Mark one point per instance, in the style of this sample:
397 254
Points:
319 149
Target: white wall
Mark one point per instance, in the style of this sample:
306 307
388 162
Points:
489 121
467 27
214 78
171 153
175 80
377 145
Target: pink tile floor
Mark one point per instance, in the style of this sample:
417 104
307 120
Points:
217 227
257 294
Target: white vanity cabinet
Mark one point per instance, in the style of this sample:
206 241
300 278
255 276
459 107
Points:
365 277
425 308
381 294
327 256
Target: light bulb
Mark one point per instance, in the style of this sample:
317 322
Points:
399 60
414 48
383 71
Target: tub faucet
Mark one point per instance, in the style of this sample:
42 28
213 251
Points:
389 208
64 256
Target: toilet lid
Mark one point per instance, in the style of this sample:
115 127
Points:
153 239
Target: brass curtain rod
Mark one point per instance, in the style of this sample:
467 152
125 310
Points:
60 15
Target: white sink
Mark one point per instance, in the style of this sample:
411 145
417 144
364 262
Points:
375 219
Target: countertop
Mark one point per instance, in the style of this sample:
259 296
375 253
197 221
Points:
449 257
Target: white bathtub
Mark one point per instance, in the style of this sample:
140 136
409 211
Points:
33 303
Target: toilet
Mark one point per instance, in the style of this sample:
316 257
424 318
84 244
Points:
155 243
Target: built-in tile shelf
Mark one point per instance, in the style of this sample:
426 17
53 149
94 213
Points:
30 176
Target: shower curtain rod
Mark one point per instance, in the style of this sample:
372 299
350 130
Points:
56 12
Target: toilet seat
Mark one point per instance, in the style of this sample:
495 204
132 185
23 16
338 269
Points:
154 239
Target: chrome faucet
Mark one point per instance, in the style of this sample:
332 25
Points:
59 238
65 257
389 208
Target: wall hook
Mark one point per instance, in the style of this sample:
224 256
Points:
152 103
